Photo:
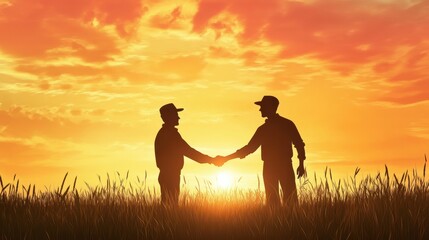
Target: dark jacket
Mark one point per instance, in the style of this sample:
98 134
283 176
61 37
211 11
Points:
170 149
275 137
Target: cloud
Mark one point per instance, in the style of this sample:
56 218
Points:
68 76
415 91
98 112
73 124
407 76
291 76
168 20
34 153
183 68
58 70
48 28
346 35
206 11
27 152
220 52
334 30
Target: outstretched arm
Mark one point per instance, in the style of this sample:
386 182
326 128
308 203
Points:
232 156
197 156
253 144
193 154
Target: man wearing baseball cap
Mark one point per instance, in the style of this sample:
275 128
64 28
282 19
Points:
276 137
170 149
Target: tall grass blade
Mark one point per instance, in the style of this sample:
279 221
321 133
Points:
198 185
259 183
357 171
424 167
17 186
62 184
326 171
386 173
28 192
74 184
396 179
65 193
5 187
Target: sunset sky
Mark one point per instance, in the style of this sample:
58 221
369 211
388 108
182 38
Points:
81 83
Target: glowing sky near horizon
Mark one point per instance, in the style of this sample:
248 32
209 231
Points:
81 82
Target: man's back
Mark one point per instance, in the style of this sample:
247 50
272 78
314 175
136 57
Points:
168 149
277 136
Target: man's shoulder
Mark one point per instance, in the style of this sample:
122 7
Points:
167 131
285 122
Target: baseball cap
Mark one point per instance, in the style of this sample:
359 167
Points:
168 108
268 101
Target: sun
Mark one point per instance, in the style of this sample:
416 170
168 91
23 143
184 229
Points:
224 180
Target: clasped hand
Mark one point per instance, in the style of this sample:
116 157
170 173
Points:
218 161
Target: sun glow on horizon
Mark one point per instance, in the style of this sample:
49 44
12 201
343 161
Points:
224 180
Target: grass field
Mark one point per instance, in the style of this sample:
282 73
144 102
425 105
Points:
385 206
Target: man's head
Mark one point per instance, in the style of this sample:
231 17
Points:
169 114
268 105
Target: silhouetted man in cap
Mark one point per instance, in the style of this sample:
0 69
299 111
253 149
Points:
275 137
170 149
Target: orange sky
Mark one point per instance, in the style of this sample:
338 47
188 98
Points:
81 82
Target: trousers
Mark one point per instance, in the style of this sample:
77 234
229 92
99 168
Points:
169 181
281 173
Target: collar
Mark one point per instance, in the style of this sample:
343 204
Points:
273 119
168 126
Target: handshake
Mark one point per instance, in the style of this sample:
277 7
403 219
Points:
218 160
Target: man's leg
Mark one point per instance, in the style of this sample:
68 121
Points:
271 184
163 184
170 187
175 187
287 182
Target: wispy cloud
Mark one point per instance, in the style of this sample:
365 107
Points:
71 123
22 151
345 34
47 28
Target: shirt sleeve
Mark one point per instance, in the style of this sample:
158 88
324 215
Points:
191 153
253 144
298 142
